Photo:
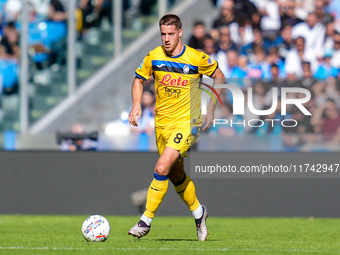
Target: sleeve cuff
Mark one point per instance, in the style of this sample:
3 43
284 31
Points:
139 76
214 70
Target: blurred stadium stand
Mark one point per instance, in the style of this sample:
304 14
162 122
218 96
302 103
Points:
107 93
253 48
48 77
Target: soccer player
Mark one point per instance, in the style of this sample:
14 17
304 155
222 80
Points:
177 70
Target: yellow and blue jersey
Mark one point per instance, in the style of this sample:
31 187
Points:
177 78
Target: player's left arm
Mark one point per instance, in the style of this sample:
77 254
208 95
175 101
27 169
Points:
219 78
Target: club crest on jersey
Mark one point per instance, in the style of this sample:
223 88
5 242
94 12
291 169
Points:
186 69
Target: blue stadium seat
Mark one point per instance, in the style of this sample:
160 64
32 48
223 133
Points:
9 72
52 31
46 33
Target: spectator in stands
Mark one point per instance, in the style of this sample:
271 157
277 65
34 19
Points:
271 21
246 8
304 131
324 67
233 70
257 3
227 16
210 48
41 8
146 122
225 43
256 22
146 6
225 113
313 32
274 58
275 81
329 37
288 17
304 7
12 10
284 42
241 31
333 7
196 40
248 49
215 2
332 91
260 94
9 44
274 72
103 9
307 80
327 115
262 100
263 127
78 144
86 9
335 60
322 16
258 67
319 93
294 51
295 57
57 13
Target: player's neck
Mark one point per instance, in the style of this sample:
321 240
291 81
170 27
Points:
177 50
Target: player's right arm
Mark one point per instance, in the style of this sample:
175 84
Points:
136 92
143 73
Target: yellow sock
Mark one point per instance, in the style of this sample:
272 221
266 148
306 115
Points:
156 193
186 190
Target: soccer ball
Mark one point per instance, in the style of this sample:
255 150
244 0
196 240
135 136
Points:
95 228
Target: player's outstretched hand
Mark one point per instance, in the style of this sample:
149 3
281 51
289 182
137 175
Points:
208 120
133 115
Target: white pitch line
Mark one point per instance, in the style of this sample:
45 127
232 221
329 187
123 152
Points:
157 249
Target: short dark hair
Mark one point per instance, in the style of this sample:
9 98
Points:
306 63
207 37
274 66
11 25
169 20
302 38
198 23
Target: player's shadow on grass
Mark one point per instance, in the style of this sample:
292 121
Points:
180 240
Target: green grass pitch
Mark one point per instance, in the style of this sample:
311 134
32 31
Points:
41 234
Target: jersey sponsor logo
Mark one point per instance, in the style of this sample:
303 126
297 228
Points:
167 80
160 65
172 92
